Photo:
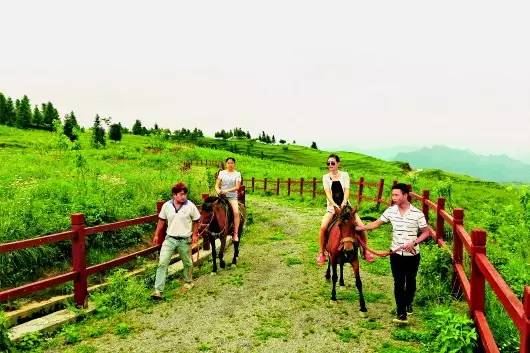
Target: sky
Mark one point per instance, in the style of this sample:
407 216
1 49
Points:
365 75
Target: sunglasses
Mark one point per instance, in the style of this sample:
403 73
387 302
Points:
331 163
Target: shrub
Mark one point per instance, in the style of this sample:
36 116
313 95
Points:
450 332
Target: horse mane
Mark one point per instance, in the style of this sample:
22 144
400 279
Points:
207 204
346 212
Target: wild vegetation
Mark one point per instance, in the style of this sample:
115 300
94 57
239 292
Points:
46 176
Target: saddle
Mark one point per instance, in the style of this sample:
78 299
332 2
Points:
229 212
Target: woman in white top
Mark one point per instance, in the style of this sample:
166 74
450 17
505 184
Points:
228 183
337 189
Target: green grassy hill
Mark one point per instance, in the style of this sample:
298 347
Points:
42 183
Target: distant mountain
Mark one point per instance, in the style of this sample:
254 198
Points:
499 168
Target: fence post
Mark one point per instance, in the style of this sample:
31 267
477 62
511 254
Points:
458 250
380 192
394 183
361 187
425 207
440 231
264 184
253 180
302 187
278 186
477 283
79 260
289 187
525 334
314 187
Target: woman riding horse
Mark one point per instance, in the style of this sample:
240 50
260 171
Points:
217 222
337 189
228 183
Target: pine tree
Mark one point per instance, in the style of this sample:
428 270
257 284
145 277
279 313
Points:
49 114
248 135
10 113
23 113
314 145
3 102
98 133
273 139
115 132
70 125
37 117
137 128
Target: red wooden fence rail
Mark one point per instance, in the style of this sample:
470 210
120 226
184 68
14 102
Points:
312 190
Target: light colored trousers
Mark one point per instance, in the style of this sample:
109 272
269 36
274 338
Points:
169 247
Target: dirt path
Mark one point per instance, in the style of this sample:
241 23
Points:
276 300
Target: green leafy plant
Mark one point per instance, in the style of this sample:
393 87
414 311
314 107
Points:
29 342
123 293
71 335
435 273
5 342
122 330
451 333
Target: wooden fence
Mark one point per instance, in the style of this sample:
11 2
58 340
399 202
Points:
474 244
312 187
482 271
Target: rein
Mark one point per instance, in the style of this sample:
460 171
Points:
378 253
215 234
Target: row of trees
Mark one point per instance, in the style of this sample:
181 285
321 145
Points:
20 114
239 133
236 132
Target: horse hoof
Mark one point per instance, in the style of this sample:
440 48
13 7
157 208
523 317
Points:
362 314
213 273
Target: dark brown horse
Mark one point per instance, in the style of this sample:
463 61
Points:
342 247
217 222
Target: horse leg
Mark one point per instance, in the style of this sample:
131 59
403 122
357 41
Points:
341 279
359 285
222 251
328 271
334 279
236 253
214 255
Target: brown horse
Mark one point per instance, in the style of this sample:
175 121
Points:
342 247
217 223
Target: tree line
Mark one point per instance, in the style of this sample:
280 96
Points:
19 113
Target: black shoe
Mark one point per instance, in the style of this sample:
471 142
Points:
409 309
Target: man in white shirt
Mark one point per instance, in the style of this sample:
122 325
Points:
182 219
406 220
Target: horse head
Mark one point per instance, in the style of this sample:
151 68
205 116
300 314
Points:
347 228
207 213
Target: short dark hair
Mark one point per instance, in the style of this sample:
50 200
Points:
230 158
403 187
178 187
333 155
